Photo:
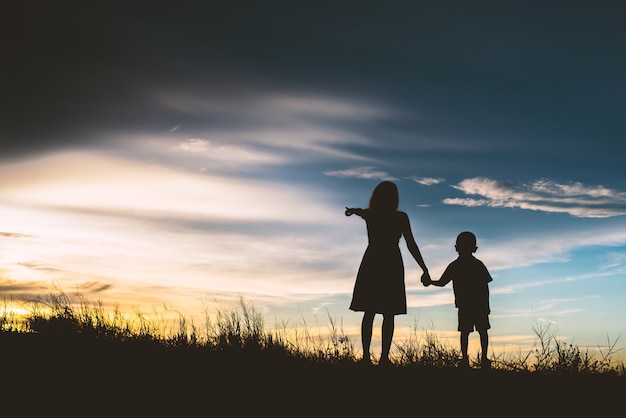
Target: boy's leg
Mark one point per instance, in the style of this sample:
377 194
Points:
388 329
484 342
464 346
484 345
366 334
464 336
464 343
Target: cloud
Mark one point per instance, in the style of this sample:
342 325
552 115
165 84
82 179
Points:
550 248
543 195
194 145
321 106
365 172
614 261
291 141
293 122
427 181
215 157
250 103
466 202
84 181
14 235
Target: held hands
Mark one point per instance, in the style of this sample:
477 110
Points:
425 279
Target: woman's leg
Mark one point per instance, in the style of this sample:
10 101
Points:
388 328
366 334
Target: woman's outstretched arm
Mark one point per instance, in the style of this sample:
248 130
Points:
356 211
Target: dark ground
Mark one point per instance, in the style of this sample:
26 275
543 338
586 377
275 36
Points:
43 376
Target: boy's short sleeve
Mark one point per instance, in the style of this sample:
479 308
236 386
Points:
486 273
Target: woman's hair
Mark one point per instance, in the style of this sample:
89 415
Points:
385 197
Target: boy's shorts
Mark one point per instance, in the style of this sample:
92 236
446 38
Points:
470 319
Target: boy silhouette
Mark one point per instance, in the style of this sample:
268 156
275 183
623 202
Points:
470 279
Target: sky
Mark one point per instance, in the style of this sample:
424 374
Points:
184 155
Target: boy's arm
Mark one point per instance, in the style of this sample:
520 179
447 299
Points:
445 278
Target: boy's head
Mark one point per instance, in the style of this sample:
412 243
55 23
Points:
466 243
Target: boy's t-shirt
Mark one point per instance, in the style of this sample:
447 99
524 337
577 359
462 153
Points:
469 278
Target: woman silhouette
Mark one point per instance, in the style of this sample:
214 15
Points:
379 287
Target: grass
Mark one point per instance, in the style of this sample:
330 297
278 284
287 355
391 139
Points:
67 350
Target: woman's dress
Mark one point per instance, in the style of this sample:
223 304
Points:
379 285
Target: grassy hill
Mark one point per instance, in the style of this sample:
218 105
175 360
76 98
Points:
78 363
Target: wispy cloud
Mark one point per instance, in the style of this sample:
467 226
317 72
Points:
14 235
539 249
426 181
297 141
614 261
466 202
207 155
321 106
281 122
122 186
250 103
364 172
194 145
574 198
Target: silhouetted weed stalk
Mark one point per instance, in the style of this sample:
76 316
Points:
241 328
426 349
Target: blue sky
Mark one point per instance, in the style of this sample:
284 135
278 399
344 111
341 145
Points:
186 154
